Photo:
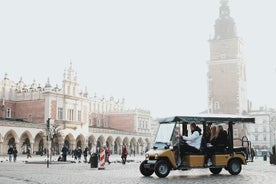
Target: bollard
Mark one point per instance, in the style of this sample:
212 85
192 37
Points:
102 159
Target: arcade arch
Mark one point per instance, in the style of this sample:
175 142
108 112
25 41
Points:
132 146
109 142
100 142
69 141
26 142
140 146
118 145
10 139
92 143
39 144
80 141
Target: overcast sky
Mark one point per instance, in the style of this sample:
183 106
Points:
153 53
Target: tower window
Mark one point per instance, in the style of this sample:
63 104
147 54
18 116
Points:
216 105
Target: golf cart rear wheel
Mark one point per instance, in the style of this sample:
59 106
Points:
234 167
215 170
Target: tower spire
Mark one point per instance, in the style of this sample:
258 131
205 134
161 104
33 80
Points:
225 25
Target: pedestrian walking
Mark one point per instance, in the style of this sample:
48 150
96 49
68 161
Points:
10 150
14 152
124 154
29 152
107 155
64 152
85 153
79 152
75 153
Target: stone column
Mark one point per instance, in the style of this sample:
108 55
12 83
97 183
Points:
18 147
32 147
1 148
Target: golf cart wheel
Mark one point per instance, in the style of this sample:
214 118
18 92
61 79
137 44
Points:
215 170
162 168
234 167
145 171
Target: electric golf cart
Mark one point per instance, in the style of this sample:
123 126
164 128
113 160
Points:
163 157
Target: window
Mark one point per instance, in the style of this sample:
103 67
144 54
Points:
98 123
79 115
8 113
105 123
68 90
256 138
60 113
70 114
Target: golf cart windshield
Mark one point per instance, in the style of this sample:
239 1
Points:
164 133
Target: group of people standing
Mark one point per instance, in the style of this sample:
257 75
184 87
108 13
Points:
76 154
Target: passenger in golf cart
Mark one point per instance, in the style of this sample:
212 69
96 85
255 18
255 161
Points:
195 142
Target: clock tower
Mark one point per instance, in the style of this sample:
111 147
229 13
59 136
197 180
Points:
227 91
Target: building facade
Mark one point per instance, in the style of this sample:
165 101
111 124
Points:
262 134
77 120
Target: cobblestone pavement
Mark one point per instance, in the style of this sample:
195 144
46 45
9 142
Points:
20 173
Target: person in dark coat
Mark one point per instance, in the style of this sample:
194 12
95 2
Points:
220 142
29 152
10 150
107 154
124 154
79 152
64 152
85 153
14 152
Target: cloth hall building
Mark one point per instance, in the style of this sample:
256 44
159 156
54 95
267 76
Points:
77 120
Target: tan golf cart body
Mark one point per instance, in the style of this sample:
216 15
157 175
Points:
162 158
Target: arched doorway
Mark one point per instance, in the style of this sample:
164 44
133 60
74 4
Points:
11 142
140 146
26 142
100 142
70 142
92 144
118 145
132 147
10 139
109 142
39 144
80 141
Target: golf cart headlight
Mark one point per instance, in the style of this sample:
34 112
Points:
147 156
156 155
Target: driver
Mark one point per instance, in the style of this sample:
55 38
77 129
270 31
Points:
192 143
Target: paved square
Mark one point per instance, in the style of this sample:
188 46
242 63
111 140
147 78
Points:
257 172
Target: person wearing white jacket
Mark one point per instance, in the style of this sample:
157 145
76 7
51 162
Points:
192 142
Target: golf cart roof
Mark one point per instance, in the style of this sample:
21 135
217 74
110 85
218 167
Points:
209 118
